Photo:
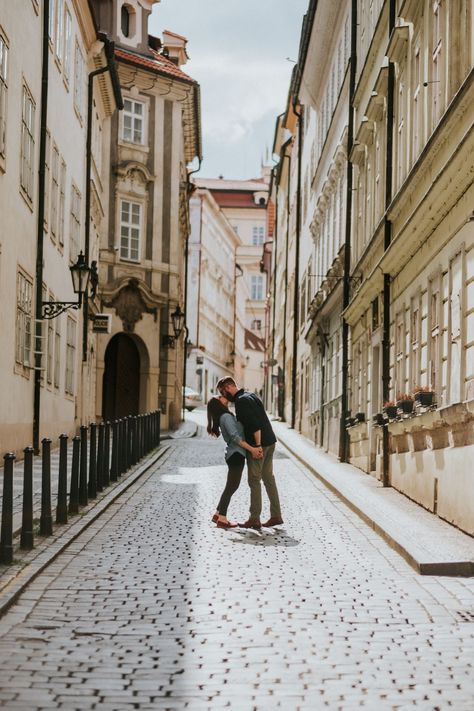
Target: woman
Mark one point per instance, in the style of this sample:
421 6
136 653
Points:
219 419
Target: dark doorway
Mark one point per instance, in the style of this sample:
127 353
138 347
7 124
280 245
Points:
121 393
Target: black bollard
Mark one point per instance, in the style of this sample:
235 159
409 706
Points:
74 487
92 490
27 536
158 426
100 457
6 535
106 472
46 518
135 439
83 498
114 464
61 505
123 446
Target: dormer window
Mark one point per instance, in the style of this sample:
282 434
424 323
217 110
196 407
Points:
127 20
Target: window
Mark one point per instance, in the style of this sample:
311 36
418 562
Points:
130 223
59 46
70 355
258 235
257 324
47 179
438 78
52 16
67 55
62 201
43 326
79 78
57 350
75 231
133 121
54 191
24 289
50 348
256 287
125 21
3 93
27 143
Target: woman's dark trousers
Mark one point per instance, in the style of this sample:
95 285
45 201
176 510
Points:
236 465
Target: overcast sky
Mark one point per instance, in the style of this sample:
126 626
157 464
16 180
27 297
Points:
238 51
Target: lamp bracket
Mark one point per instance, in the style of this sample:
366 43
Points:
51 309
167 341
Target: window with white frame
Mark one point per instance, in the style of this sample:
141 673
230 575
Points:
62 201
133 116
3 92
54 192
57 351
70 355
258 235
257 324
434 333
400 338
417 100
256 287
47 179
59 30
24 292
67 53
27 143
130 227
79 81
75 227
50 348
415 338
52 19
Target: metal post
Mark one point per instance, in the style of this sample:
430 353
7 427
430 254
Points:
114 464
100 457
158 439
61 506
74 489
27 536
121 447
106 471
6 535
46 518
92 490
83 498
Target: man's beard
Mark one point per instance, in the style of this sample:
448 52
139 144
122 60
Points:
230 397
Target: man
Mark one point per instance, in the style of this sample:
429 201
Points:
258 432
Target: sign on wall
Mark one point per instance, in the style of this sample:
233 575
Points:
102 323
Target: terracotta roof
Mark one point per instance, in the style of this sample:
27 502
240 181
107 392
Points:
255 184
228 199
157 63
253 342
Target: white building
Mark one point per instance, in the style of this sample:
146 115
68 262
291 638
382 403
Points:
35 259
212 307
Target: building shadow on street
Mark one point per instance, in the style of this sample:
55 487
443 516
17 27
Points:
267 538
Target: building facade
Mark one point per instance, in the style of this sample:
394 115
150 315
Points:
244 204
142 272
212 307
44 376
388 159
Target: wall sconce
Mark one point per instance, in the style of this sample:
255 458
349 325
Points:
177 319
80 273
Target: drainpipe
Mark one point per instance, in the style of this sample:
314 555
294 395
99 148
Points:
322 347
40 227
286 276
109 67
186 257
346 293
275 244
387 240
299 114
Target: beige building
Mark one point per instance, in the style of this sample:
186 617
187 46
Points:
142 257
212 309
35 258
244 204
388 154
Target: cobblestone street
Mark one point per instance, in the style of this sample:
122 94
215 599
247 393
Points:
154 608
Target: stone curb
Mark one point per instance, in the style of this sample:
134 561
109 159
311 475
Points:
415 555
17 584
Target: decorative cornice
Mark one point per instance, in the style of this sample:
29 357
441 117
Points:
131 298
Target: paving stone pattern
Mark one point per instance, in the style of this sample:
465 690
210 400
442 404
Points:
154 608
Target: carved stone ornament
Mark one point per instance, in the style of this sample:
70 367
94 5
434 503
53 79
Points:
130 306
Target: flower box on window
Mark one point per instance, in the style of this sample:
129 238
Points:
378 419
424 396
405 403
391 410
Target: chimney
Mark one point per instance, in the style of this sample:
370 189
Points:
176 47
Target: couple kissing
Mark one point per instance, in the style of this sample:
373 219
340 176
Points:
249 436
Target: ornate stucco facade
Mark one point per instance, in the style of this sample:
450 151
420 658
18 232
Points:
140 365
386 101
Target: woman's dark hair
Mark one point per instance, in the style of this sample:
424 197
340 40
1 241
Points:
214 411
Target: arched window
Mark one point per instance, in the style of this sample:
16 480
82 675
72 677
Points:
125 21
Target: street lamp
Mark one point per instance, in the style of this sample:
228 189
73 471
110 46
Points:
80 273
177 319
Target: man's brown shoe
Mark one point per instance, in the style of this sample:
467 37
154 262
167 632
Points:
273 521
256 525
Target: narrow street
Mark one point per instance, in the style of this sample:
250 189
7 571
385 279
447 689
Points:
154 608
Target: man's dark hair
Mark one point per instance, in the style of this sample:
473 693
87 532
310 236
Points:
225 381
214 411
